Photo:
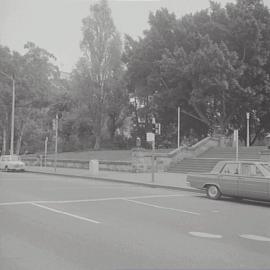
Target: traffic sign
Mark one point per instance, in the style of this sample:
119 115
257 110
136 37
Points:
150 137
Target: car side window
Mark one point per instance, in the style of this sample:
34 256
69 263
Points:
251 170
230 168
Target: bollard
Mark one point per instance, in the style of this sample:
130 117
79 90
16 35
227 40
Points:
94 166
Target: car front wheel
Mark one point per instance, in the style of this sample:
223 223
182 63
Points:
213 192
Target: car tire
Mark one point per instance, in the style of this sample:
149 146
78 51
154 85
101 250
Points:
213 192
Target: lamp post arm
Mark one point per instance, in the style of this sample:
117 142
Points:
8 76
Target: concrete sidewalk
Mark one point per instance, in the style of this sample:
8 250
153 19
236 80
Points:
162 179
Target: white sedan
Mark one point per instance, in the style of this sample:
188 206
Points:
11 163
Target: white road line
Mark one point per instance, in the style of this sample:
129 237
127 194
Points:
162 207
65 213
255 237
95 200
14 203
159 196
205 235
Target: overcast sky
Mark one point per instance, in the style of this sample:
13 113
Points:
55 25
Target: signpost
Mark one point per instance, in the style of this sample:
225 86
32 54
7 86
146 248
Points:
45 152
55 127
178 129
235 139
248 116
150 137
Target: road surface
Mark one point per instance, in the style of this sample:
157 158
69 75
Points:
49 222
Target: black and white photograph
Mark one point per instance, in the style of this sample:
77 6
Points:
134 134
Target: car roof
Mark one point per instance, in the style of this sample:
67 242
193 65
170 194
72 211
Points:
221 163
245 161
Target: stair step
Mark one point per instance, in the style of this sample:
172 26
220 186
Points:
206 161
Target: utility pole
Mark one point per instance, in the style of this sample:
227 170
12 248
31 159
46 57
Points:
178 129
248 116
153 161
153 152
12 112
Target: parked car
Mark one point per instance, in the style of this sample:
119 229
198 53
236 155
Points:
11 163
241 179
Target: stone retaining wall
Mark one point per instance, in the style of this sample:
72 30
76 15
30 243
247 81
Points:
124 166
141 159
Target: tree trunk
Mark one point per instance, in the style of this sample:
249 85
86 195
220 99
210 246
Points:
19 140
97 143
113 127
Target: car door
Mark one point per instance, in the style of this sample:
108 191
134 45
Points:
229 179
2 161
252 182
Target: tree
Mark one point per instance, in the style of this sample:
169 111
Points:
35 76
143 77
215 65
36 87
100 65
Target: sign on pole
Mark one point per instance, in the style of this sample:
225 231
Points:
150 137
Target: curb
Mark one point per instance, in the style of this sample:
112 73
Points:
119 181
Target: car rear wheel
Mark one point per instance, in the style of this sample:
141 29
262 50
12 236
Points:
213 192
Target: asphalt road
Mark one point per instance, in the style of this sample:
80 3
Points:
49 222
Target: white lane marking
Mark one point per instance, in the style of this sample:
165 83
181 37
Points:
96 200
162 207
14 203
215 211
205 235
255 237
65 213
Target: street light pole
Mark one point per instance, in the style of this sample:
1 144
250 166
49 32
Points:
12 117
12 113
178 128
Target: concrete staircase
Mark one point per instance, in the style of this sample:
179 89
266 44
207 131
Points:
206 161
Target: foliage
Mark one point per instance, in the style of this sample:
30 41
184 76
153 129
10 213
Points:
214 64
98 75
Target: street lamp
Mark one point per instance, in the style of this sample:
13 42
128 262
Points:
13 111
